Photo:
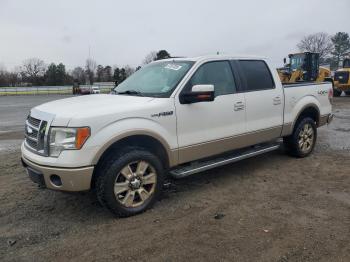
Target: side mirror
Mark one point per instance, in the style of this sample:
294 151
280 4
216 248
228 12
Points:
199 93
284 61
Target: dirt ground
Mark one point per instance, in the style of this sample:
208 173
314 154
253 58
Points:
268 208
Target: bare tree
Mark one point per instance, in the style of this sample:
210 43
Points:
9 78
90 68
129 70
317 43
152 56
33 68
78 74
3 76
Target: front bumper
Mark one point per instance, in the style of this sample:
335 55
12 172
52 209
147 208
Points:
64 179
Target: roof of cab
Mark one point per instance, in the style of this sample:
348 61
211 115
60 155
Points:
214 57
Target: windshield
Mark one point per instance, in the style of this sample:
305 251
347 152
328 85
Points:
296 62
156 79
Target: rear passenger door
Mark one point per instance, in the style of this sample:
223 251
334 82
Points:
264 102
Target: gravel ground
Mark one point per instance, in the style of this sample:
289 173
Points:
268 208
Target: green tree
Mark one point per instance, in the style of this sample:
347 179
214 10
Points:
99 73
107 74
341 44
162 54
55 75
61 74
50 75
116 76
123 75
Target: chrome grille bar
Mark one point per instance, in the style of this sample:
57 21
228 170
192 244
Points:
36 132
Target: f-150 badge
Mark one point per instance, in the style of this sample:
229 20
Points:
168 113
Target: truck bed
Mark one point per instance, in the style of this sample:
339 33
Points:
298 84
297 95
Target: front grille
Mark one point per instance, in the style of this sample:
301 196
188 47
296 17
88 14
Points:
341 77
34 121
32 143
35 135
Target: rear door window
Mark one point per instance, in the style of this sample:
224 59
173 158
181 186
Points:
257 75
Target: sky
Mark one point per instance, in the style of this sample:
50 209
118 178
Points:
119 33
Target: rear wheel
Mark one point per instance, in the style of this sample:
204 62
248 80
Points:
130 182
302 142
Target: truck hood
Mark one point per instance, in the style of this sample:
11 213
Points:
63 110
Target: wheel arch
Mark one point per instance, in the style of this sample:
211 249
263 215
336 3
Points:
310 110
145 139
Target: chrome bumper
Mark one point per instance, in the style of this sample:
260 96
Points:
64 179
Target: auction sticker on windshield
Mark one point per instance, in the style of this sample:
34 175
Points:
173 67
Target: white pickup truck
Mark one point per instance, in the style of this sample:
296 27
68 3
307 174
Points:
176 116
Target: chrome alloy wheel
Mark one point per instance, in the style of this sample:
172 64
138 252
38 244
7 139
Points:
306 138
135 183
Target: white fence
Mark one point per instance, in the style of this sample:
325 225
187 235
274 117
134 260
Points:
48 90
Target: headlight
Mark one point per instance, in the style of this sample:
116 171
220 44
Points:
67 139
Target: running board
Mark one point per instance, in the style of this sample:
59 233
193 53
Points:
201 166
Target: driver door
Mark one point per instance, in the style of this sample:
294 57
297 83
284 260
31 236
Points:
209 128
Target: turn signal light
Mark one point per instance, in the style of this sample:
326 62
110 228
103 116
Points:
82 135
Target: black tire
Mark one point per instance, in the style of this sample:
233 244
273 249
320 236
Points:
111 170
347 93
292 142
336 92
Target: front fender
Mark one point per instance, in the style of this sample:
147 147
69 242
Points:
123 128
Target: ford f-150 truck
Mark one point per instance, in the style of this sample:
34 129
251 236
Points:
172 117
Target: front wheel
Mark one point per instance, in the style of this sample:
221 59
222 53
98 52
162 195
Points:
303 139
130 182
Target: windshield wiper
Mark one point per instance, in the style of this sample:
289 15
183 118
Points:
130 92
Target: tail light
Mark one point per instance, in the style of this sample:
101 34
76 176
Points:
330 94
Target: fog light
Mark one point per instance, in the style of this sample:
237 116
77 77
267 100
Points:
56 180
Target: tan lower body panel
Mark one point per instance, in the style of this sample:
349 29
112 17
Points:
73 179
287 129
194 152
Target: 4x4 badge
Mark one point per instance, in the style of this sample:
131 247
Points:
322 92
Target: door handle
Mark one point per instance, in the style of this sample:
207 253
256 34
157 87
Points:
277 100
238 106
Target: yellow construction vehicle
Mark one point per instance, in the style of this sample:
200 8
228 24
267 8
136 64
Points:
304 67
342 79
